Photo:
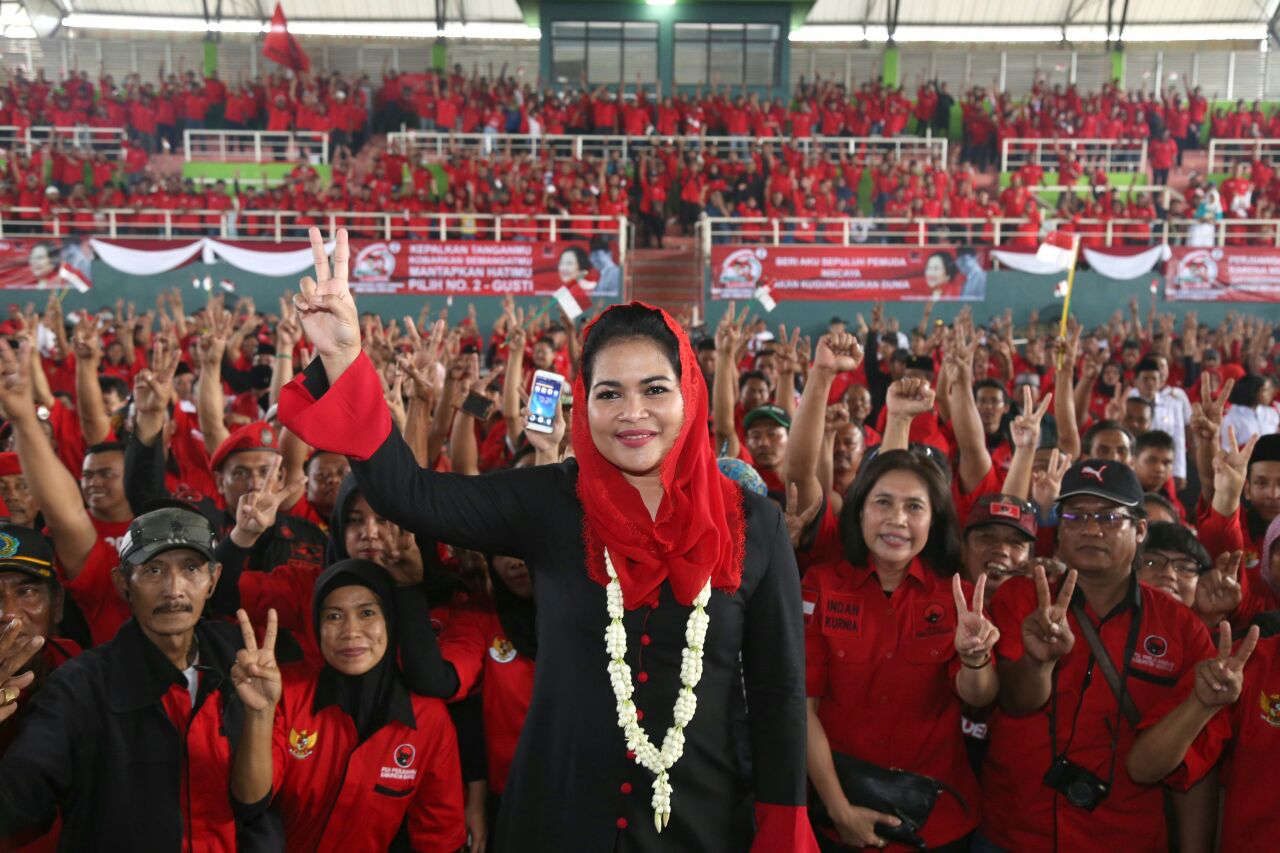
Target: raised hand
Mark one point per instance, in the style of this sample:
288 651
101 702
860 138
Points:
1220 680
1025 428
256 511
976 635
213 343
546 444
1231 464
909 397
14 654
16 394
1218 591
326 308
1046 484
797 519
86 341
153 387
1046 633
255 673
837 353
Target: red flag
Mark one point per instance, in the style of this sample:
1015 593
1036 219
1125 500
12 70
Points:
281 47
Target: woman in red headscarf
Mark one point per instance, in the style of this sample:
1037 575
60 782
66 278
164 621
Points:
669 695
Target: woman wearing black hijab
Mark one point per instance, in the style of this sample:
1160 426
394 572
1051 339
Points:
350 756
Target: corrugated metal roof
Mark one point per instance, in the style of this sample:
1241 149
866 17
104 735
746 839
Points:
1039 12
314 10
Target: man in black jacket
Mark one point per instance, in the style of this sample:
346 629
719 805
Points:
131 742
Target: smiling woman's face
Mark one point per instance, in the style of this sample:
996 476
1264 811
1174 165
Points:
635 408
353 630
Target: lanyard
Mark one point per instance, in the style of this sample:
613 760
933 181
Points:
1133 601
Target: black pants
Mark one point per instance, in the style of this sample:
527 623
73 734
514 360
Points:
654 227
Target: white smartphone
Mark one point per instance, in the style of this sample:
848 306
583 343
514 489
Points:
544 400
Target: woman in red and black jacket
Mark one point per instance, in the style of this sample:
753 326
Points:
349 757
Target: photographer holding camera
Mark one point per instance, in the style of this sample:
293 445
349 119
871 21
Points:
1084 663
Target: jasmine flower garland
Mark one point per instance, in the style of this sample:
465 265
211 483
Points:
648 756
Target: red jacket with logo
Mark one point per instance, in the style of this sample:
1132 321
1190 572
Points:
335 793
884 670
480 652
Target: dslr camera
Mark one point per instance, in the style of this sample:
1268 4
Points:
1081 788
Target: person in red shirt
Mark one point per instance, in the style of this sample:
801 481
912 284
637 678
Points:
1161 152
892 645
344 753
1058 712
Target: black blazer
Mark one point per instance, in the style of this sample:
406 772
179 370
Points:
97 746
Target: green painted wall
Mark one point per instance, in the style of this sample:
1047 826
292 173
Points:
1094 300
109 284
273 172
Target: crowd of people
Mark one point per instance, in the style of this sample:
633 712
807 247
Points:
306 577
812 194
65 184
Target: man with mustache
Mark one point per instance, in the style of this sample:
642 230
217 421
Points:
159 689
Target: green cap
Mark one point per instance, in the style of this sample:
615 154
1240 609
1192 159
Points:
772 412
163 530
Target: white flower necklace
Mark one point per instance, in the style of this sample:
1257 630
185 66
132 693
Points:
648 756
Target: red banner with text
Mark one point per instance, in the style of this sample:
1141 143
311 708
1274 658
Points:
1232 274
483 268
890 273
44 264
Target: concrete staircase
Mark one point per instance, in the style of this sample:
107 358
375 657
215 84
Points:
669 277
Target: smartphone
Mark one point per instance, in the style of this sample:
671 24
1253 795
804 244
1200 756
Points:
478 406
547 388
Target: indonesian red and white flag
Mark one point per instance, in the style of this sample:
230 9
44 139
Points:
75 278
573 300
1056 249
764 295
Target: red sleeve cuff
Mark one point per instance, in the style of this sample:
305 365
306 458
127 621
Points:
783 828
350 417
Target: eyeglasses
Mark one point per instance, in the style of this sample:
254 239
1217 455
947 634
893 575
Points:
1158 562
1105 520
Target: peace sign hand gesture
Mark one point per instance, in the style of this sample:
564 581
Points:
976 635
1025 428
1218 590
1046 634
1220 680
256 512
255 673
326 308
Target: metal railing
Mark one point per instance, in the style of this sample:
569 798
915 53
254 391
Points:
417 143
277 226
1000 232
1224 154
256 146
1117 155
108 140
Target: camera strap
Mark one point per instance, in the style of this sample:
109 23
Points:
1115 680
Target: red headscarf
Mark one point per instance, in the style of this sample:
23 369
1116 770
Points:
699 531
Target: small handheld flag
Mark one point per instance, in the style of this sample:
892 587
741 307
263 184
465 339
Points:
573 300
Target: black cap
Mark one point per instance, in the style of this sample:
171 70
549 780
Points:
1267 449
163 530
28 551
1148 364
1102 478
920 362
